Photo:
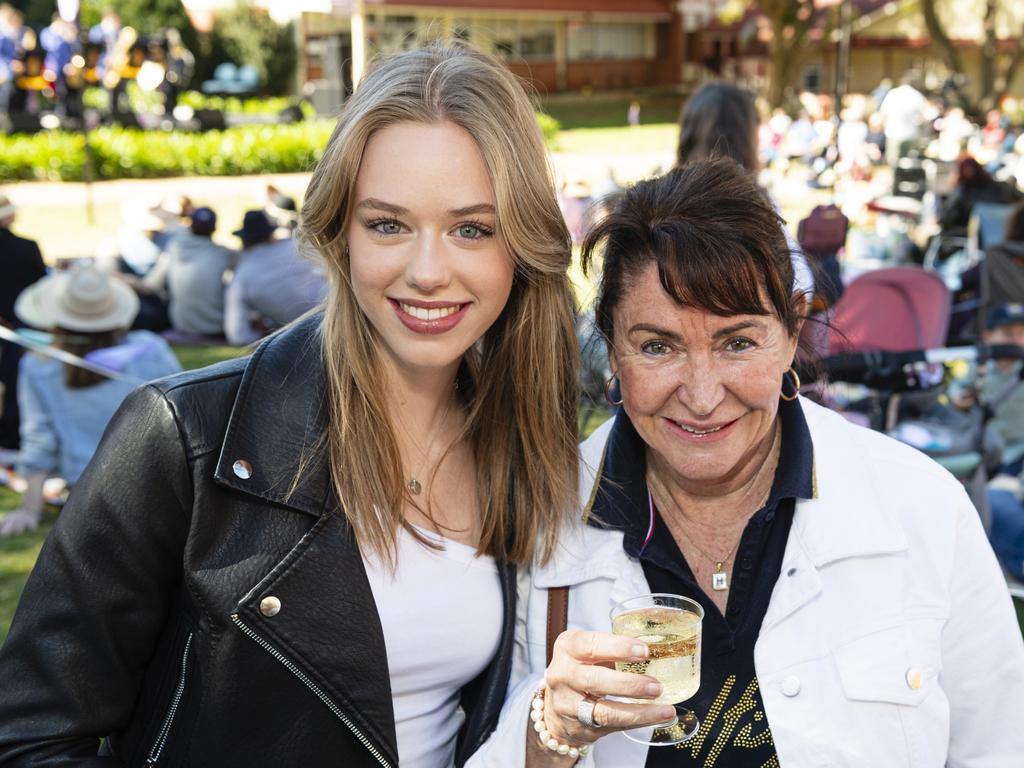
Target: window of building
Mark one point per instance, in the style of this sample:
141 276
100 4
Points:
515 39
607 41
392 34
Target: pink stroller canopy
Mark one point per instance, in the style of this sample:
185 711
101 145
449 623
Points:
892 310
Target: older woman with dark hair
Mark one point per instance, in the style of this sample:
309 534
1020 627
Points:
854 614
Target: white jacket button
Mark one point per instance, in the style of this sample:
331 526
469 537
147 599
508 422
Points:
242 469
270 606
790 686
915 679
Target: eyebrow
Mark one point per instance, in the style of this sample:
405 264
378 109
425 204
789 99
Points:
376 204
669 334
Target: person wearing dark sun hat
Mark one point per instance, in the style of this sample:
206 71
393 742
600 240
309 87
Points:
273 283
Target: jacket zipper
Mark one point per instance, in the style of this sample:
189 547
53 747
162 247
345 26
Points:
312 686
165 729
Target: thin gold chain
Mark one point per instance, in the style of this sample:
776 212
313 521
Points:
736 546
425 452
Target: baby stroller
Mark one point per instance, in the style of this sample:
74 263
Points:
885 347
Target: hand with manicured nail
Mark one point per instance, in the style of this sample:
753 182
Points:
579 667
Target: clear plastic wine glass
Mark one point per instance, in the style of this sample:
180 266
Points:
670 625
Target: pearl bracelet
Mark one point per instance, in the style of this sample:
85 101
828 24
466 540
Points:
549 741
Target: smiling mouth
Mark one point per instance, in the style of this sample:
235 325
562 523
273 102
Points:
700 432
431 313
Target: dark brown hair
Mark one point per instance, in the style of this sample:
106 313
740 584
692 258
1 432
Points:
717 240
80 344
719 120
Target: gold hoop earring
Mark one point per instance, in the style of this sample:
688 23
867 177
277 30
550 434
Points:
608 393
796 385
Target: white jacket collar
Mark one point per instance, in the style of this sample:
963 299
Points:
848 517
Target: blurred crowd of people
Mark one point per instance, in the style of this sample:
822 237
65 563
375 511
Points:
48 70
96 328
890 124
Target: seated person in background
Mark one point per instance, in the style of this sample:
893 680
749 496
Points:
1003 267
281 209
1005 262
272 285
21 264
1001 387
973 185
1003 390
191 272
64 408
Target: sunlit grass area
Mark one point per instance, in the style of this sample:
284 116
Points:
660 137
17 556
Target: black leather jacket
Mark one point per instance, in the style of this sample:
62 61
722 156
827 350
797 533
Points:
150 617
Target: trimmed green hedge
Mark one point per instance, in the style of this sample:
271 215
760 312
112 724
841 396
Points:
125 153
128 153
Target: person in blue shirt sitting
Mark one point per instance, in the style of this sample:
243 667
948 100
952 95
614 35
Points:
65 408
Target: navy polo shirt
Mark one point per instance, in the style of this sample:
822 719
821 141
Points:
734 731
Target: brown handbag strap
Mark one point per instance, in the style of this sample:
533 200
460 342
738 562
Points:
558 616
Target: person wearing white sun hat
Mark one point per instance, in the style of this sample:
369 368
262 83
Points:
64 408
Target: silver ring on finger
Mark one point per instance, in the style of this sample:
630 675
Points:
585 712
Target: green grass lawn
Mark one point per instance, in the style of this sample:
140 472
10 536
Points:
618 140
599 111
17 555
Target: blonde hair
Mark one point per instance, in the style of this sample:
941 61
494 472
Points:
518 383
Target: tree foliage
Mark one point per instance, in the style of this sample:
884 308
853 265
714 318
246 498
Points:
246 34
997 68
787 24
790 21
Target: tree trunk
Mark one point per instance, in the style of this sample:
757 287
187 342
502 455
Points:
939 37
994 80
1004 79
782 66
989 59
796 16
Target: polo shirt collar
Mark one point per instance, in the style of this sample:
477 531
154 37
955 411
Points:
621 501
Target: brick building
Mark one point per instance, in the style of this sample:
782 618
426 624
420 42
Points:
559 45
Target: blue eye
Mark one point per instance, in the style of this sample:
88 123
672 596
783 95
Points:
385 226
473 231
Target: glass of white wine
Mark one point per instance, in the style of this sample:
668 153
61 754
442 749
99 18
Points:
670 625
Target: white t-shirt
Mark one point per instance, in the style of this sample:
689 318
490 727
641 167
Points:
441 612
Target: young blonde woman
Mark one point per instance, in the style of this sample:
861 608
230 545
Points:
307 557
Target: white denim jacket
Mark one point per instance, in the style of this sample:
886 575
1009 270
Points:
890 639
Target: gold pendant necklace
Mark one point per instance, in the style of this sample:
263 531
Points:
413 484
719 577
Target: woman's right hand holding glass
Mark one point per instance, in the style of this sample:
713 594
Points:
579 670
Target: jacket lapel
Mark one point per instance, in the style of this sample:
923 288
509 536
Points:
847 518
278 415
327 625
